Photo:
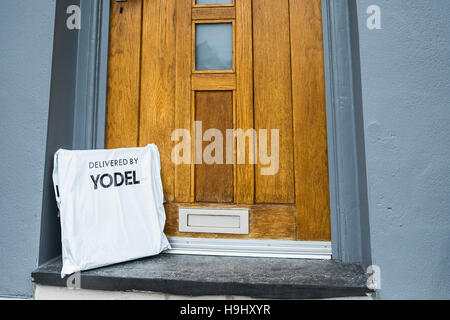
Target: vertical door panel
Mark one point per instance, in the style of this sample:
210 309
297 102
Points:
308 88
214 182
273 104
183 119
157 114
245 187
122 127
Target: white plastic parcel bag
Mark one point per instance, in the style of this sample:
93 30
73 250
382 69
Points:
111 206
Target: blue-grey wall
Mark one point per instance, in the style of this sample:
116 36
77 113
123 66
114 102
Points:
26 37
405 77
405 126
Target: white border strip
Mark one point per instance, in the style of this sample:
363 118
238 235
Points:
252 248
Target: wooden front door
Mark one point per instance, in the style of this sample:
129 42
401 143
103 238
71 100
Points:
179 68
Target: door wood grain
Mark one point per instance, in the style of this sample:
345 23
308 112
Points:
308 96
122 121
277 82
158 81
214 182
273 95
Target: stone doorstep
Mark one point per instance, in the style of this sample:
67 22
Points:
195 276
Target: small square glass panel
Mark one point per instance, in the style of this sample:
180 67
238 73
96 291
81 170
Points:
203 2
214 46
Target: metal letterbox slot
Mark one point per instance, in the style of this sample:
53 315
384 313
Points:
231 221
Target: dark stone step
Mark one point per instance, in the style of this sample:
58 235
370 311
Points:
193 275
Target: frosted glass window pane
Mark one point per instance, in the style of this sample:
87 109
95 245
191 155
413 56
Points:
214 2
214 46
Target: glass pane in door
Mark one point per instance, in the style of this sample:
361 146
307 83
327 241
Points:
214 46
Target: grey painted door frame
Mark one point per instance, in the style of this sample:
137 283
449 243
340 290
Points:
346 151
349 221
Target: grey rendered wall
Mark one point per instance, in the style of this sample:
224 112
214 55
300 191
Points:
405 77
26 40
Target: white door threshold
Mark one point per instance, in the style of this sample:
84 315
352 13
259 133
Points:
252 248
